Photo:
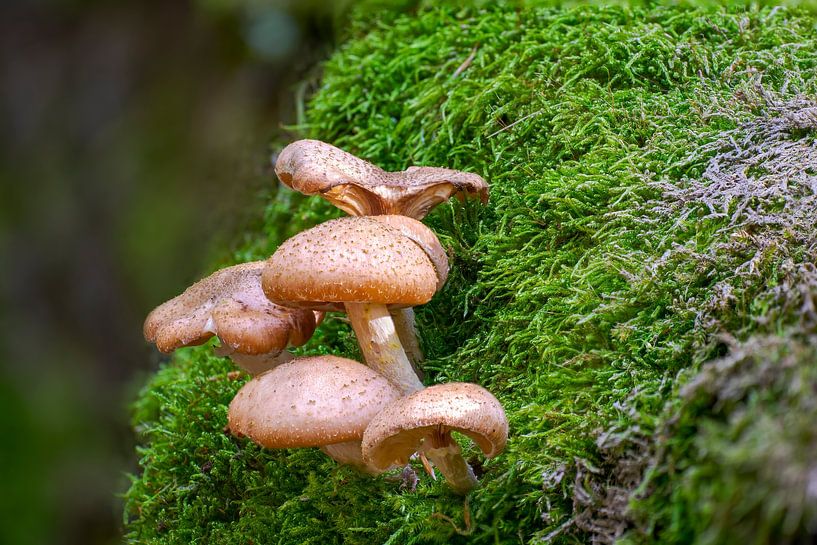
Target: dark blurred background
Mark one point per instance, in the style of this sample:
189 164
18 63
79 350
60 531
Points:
135 144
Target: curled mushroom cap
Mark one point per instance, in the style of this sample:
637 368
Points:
354 260
310 402
363 189
231 304
425 419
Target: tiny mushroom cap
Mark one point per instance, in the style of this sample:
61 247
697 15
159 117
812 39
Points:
363 189
231 304
425 419
355 260
309 402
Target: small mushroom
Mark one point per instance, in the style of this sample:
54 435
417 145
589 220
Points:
360 188
423 422
360 264
321 401
230 303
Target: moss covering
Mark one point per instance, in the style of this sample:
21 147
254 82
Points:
652 197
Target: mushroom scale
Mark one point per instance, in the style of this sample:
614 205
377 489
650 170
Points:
360 188
231 304
310 402
425 418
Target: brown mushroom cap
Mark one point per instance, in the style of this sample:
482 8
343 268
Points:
423 237
363 189
231 304
400 429
350 260
309 402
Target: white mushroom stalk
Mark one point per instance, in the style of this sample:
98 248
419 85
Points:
405 325
446 455
255 364
349 453
381 346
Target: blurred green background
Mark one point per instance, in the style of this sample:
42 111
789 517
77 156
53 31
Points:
135 143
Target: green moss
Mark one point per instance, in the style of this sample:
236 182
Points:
597 273
740 463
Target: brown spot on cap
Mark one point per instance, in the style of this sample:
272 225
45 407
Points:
363 189
424 238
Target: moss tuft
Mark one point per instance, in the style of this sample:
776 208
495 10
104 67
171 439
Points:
645 206
735 459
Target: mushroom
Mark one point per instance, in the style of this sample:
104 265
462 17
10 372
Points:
424 420
230 303
359 264
321 401
360 188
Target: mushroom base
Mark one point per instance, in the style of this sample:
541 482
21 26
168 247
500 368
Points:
349 453
453 466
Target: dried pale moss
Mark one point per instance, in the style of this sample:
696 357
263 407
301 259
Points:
617 248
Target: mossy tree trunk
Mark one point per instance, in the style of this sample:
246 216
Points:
652 184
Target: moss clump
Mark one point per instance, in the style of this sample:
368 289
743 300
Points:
618 248
739 460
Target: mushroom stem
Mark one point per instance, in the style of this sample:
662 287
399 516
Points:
349 453
406 328
453 466
381 346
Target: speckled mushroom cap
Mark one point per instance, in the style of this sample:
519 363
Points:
363 189
352 260
423 237
309 402
400 429
231 304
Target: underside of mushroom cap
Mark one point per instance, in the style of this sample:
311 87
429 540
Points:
309 402
350 260
231 304
412 422
363 189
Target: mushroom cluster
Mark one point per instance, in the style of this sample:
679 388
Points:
375 265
